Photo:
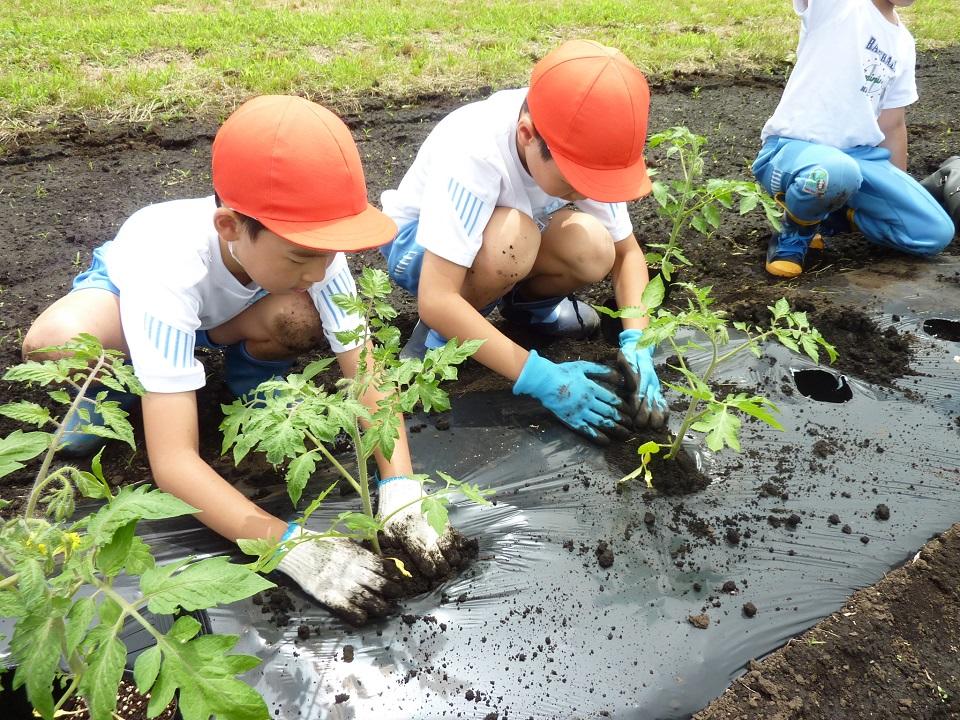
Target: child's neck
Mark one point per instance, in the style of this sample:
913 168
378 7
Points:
888 10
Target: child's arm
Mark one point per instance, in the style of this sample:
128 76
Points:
893 124
400 495
630 276
339 573
444 309
569 389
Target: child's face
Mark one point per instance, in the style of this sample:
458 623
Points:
275 264
278 265
544 172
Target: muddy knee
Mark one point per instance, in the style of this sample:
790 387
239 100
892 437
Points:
583 244
511 241
296 324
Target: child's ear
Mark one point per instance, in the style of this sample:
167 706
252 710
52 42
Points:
227 224
526 133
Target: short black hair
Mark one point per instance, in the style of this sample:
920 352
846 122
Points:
250 224
544 150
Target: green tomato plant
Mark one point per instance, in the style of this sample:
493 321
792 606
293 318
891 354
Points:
692 202
295 421
717 417
58 574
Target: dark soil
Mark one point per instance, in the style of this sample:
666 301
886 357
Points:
890 652
131 705
66 191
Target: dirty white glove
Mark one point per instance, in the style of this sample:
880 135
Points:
433 554
339 573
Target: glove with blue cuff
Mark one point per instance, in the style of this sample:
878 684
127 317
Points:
400 506
645 403
571 391
349 580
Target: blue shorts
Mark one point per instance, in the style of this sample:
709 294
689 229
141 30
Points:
96 276
405 257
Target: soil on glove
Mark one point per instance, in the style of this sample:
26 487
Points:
68 190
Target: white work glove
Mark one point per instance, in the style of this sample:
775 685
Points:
349 580
432 553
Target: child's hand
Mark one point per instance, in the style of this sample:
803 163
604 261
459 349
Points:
400 504
645 404
349 580
571 392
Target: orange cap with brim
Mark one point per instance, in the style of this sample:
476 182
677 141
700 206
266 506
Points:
293 165
590 104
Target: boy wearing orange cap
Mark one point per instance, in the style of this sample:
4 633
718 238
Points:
485 219
251 270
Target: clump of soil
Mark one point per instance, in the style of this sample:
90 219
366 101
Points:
670 477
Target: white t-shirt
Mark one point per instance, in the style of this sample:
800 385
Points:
166 262
851 63
469 165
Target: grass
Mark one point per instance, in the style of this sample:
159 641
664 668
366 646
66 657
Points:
138 60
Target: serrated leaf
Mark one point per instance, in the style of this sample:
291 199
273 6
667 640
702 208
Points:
35 646
298 473
748 203
755 408
89 486
199 585
722 429
101 680
78 622
139 558
26 412
19 447
140 503
653 293
11 604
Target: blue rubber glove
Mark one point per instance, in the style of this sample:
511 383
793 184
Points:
570 392
645 405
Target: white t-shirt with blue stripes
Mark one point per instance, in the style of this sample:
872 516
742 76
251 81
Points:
166 263
467 167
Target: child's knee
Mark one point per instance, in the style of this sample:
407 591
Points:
827 185
296 324
511 241
48 330
588 248
933 236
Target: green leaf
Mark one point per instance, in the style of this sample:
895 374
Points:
78 622
113 556
138 503
89 486
61 396
26 412
298 473
435 511
650 447
146 668
359 523
660 192
199 585
698 223
18 447
318 500
653 294
11 604
32 583
712 215
139 558
35 646
755 407
184 628
748 203
101 681
722 429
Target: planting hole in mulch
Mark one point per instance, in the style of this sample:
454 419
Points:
943 329
823 386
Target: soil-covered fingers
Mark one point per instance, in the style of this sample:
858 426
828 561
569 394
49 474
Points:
421 541
449 545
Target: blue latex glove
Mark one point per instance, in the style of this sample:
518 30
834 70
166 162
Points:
645 403
569 390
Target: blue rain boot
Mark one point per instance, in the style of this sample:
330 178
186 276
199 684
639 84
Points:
243 372
424 338
556 316
76 444
788 248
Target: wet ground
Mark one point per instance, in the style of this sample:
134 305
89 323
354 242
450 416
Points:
67 191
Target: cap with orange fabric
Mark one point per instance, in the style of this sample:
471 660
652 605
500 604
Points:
293 165
590 104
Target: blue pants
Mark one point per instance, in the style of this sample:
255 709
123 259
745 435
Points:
405 257
890 207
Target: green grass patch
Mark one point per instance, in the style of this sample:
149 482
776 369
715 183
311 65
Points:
138 59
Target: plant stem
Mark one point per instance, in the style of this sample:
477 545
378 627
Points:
364 483
57 437
693 412
333 461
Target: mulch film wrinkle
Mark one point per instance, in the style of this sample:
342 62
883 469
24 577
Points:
585 602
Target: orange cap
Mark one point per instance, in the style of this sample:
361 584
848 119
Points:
590 104
292 164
